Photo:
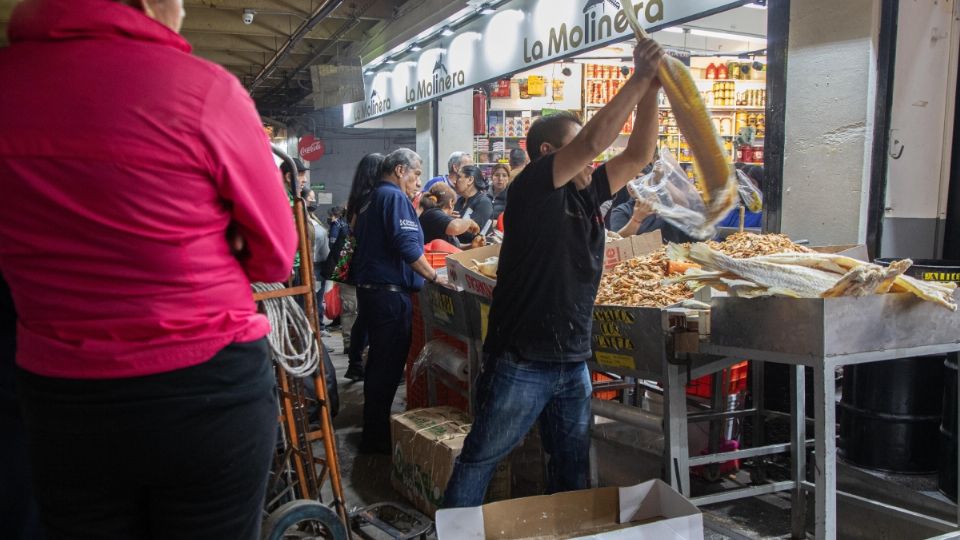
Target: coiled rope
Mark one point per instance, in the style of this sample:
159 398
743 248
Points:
290 330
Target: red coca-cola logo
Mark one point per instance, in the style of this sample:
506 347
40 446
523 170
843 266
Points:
311 148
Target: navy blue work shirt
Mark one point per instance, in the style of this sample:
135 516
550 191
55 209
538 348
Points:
389 239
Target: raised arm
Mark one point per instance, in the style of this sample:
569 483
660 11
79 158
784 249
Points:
640 146
600 132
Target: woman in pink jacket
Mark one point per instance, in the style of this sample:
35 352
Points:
143 372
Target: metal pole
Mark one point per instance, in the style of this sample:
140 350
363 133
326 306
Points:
825 474
798 451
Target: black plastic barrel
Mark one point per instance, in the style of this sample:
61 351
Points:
890 414
947 477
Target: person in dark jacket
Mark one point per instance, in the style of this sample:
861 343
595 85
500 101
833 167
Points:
388 264
353 327
437 219
474 203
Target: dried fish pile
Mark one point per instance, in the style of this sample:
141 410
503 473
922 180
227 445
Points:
801 275
639 281
744 245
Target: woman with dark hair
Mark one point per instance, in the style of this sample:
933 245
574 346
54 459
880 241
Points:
437 219
474 203
499 182
365 179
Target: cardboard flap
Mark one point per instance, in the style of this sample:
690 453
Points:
557 515
633 502
456 523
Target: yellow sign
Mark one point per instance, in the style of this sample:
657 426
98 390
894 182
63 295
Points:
615 360
484 314
536 85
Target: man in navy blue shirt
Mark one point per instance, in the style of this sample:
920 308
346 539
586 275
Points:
538 338
388 264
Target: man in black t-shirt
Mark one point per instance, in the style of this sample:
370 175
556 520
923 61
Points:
538 337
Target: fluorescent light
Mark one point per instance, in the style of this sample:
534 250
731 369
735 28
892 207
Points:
416 48
672 30
487 10
446 32
390 61
724 35
755 6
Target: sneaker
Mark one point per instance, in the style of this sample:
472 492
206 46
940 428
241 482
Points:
324 333
354 373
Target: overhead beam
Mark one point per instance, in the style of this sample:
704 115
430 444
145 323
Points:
413 18
383 9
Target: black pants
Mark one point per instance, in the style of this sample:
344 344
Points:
181 455
388 318
358 339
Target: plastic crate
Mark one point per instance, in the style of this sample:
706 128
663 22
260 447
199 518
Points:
605 395
417 392
735 377
437 259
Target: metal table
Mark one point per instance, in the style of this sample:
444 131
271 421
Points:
655 344
825 334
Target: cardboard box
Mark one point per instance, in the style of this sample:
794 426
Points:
462 272
618 251
647 511
426 442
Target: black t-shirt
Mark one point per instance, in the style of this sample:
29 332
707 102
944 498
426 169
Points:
434 223
480 207
550 266
621 215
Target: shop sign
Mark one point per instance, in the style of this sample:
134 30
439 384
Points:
522 34
311 148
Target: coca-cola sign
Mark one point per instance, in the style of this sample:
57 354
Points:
311 148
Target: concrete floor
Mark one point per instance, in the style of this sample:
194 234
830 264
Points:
367 477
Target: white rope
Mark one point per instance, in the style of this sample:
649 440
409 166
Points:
290 331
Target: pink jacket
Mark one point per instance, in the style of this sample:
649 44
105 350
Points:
123 159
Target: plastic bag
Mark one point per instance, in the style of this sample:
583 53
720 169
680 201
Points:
674 197
750 196
332 306
442 355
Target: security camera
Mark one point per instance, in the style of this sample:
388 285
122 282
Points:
248 15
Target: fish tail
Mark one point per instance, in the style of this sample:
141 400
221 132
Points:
678 252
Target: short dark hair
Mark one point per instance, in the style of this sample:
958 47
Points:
518 156
286 169
548 129
479 180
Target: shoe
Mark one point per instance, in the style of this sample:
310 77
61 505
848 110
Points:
354 373
324 333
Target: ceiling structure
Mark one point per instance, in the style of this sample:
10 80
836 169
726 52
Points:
296 55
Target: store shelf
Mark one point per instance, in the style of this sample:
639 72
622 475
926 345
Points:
723 108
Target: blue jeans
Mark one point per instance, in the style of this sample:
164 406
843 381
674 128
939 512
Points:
512 394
